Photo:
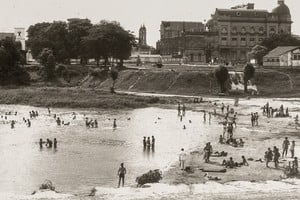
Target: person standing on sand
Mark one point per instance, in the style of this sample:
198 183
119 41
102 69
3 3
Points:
179 109
222 108
121 174
276 156
182 158
207 152
269 157
204 116
285 146
295 165
256 118
183 110
292 149
209 117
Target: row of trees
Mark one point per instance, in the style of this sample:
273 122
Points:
222 76
80 39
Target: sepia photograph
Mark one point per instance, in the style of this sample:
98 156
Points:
149 100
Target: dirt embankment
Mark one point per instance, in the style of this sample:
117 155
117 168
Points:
181 80
269 83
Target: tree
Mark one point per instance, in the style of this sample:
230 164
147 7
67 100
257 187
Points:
77 29
249 71
276 40
49 35
10 57
114 76
108 40
36 38
222 75
258 52
47 59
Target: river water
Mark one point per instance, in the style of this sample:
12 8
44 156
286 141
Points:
90 157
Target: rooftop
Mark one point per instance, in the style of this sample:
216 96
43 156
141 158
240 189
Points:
278 51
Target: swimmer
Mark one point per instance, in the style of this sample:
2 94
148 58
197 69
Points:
115 123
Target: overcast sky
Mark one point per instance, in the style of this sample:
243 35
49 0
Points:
130 13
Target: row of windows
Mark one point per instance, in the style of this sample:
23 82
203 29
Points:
242 39
273 60
243 29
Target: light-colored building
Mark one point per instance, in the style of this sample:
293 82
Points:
17 35
283 56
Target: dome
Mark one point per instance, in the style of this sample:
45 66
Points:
282 9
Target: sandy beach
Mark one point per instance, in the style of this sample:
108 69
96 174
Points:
270 132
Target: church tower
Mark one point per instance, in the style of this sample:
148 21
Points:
142 36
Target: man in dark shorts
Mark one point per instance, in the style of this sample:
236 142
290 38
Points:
285 147
121 173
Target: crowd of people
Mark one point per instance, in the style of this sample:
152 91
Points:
270 111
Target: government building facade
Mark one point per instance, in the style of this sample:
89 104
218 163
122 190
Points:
227 37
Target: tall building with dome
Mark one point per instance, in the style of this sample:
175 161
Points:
231 33
240 28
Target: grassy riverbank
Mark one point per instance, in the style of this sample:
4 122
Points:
74 98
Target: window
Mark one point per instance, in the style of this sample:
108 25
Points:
260 39
252 39
234 39
261 30
243 39
234 30
224 30
272 30
243 30
296 57
224 39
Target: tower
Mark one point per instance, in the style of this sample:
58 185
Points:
142 36
20 36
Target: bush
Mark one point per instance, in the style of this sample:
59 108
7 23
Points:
60 69
16 76
98 72
153 100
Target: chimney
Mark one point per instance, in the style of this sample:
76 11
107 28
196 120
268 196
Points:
250 6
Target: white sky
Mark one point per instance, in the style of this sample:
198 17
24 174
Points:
130 13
